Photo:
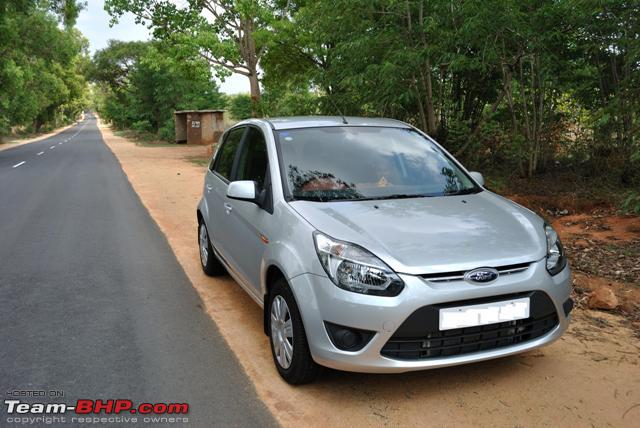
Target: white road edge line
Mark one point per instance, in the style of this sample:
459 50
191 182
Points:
41 153
18 164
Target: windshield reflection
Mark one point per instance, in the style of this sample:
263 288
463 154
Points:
367 163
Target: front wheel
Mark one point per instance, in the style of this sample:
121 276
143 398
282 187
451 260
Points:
289 345
208 260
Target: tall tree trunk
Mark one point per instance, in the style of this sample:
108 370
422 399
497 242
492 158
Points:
627 116
251 58
528 132
425 79
418 84
423 118
440 101
508 91
426 76
476 131
537 110
254 85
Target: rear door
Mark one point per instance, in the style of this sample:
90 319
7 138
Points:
248 222
216 182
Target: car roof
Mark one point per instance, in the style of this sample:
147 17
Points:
295 122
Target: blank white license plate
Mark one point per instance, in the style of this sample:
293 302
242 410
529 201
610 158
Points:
483 314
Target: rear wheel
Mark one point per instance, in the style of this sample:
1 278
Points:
289 345
208 260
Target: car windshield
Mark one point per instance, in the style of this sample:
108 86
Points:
364 163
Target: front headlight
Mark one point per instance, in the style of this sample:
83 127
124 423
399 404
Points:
355 269
556 260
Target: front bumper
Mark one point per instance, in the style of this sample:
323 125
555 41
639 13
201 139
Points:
320 300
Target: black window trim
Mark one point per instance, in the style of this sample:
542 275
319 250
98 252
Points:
243 142
267 179
235 155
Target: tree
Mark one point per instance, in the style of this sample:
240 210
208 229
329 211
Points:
41 64
450 68
607 81
230 34
141 84
503 81
239 106
406 59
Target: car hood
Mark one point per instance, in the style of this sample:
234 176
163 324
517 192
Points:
436 234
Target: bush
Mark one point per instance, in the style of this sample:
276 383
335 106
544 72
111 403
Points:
239 106
167 132
632 203
289 102
142 126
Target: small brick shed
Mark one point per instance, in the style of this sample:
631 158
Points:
199 126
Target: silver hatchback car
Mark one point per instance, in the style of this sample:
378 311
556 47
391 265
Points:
372 249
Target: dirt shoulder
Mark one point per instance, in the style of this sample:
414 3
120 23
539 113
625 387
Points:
590 377
604 249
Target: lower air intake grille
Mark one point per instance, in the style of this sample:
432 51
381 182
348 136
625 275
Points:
405 344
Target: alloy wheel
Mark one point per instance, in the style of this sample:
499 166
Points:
204 245
281 332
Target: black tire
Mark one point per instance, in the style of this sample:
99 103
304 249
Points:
302 368
212 266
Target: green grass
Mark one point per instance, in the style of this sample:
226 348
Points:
198 161
144 139
20 135
498 184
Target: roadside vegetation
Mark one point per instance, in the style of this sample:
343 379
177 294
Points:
543 97
43 60
513 88
138 86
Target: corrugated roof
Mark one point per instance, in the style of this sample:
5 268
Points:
198 111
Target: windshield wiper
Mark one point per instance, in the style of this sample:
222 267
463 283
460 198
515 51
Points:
395 196
310 198
373 198
469 191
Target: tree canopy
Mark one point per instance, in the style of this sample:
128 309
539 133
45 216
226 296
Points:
511 78
523 84
42 63
141 84
231 35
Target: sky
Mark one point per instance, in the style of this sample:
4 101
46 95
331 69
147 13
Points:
93 22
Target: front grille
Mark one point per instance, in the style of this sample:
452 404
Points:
459 275
432 343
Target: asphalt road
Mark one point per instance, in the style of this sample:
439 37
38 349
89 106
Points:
92 300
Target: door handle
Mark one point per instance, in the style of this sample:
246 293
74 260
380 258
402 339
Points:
228 208
209 188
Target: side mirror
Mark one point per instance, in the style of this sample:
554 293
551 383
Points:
477 177
244 190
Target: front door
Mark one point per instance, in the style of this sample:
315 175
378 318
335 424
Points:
248 222
216 183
